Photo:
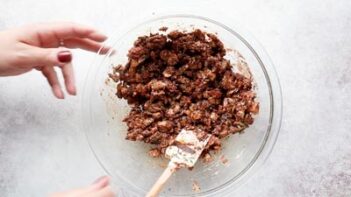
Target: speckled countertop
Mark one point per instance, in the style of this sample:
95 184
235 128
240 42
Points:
42 148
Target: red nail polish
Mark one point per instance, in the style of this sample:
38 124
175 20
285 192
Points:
64 56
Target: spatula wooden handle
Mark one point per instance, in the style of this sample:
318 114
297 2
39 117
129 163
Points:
156 188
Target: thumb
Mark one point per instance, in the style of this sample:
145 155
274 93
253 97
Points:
48 56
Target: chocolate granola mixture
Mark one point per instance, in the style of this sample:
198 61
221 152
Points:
182 80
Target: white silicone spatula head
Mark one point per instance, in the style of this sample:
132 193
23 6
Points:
185 152
187 148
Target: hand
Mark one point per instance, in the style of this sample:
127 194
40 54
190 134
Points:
100 188
42 47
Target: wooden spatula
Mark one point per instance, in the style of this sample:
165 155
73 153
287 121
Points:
185 152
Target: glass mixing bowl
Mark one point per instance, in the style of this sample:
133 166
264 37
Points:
132 171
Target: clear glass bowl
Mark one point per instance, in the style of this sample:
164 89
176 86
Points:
133 172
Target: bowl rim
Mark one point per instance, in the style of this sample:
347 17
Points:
274 92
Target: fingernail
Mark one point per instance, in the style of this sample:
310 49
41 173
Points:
101 182
64 56
74 92
61 95
99 179
71 89
58 92
102 35
113 51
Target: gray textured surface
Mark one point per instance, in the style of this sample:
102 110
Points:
42 148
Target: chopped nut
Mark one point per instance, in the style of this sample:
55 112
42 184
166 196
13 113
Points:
163 29
254 108
207 158
196 187
214 116
224 160
170 58
168 72
196 115
154 153
157 85
165 126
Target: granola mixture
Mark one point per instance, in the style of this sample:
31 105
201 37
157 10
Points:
182 80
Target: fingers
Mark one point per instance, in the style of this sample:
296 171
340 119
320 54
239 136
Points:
105 192
72 193
50 35
61 57
33 56
100 188
68 75
86 44
51 76
65 30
